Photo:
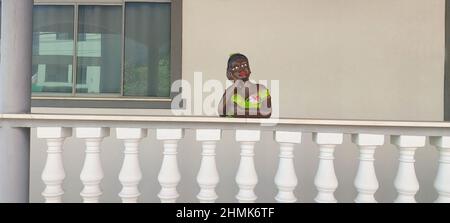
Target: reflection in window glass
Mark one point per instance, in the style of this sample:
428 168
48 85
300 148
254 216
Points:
52 48
147 49
99 49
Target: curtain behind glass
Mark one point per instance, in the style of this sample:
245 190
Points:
99 51
147 49
52 48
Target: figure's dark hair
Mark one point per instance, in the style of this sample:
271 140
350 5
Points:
234 57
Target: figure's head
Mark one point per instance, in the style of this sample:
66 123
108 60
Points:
238 67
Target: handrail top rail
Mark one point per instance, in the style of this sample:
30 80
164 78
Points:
220 120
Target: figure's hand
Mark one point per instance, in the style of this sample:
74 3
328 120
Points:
266 108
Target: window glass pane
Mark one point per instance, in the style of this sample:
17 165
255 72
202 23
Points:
52 48
99 51
147 49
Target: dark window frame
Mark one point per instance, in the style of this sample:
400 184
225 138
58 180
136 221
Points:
99 101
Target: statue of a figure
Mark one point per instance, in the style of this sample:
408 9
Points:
244 99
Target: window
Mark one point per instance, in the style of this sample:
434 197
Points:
52 49
147 51
99 50
105 53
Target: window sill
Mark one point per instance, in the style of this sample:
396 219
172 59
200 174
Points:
101 103
101 111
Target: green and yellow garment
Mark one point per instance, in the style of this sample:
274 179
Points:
252 102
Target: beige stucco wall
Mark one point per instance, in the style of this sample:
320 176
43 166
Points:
352 59
346 59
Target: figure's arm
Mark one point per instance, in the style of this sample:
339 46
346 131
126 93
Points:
266 108
221 108
224 104
265 111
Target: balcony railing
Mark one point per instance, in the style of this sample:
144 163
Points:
327 134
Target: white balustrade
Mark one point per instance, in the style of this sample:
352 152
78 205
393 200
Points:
130 174
406 181
92 172
246 177
366 180
208 177
326 181
169 175
285 178
442 182
53 174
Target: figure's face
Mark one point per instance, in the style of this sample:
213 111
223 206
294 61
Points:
240 70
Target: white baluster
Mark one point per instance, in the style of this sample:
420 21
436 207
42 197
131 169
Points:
406 181
130 174
208 177
92 172
169 175
366 180
325 180
246 177
53 174
285 178
442 182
